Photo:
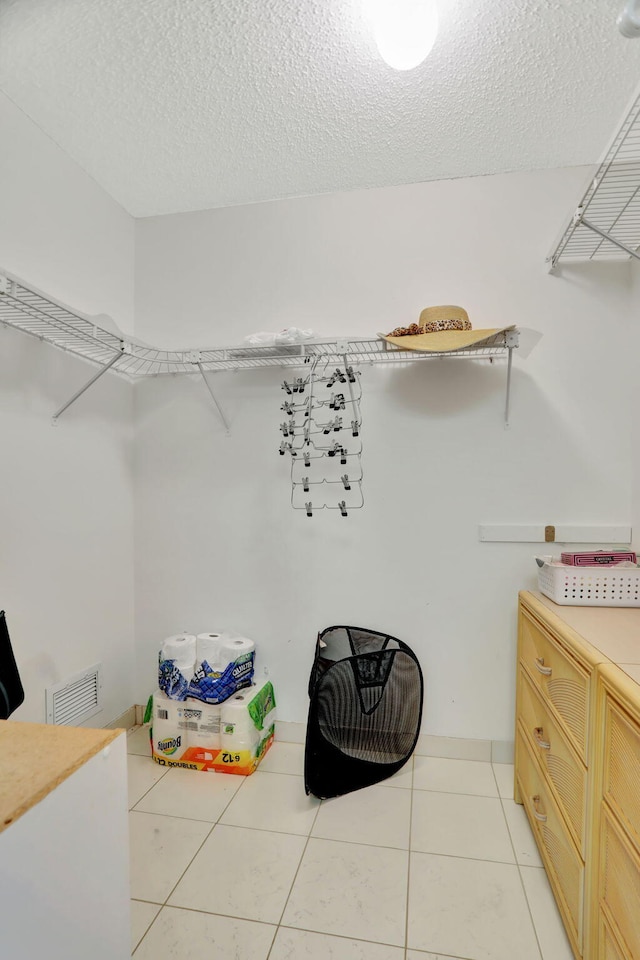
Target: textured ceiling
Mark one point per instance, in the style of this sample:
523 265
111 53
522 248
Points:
175 105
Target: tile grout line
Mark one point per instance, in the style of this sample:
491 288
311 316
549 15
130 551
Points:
171 892
148 927
295 877
140 799
279 923
287 773
515 854
406 916
362 843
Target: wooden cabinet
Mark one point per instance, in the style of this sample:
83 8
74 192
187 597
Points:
555 694
578 768
615 909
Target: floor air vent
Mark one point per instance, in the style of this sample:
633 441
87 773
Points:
74 700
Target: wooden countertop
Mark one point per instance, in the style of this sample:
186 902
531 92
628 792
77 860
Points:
35 758
613 631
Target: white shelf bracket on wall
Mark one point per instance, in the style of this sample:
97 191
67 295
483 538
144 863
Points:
88 384
511 342
606 236
197 360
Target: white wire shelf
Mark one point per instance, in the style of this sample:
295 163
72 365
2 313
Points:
33 313
606 223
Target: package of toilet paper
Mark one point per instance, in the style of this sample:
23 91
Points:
223 665
228 738
176 664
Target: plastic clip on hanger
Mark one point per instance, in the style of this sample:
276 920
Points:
308 509
343 508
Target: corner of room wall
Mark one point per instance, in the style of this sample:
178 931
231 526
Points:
66 511
635 374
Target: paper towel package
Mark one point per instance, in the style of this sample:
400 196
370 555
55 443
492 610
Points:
229 738
223 665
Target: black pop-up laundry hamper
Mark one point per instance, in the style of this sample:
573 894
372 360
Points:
366 693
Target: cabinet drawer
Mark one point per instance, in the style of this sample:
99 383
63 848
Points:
564 865
608 946
619 882
621 784
560 680
566 773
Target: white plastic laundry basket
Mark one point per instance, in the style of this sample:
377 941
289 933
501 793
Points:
590 586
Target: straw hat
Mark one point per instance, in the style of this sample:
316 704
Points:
443 329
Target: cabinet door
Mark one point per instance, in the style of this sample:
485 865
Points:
609 949
619 882
621 780
561 858
561 681
566 773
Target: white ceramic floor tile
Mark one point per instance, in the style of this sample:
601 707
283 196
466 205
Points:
138 741
255 881
403 778
272 801
188 935
193 794
454 776
160 850
301 945
372 815
521 834
284 758
469 908
504 778
350 890
142 774
142 916
546 918
460 826
453 747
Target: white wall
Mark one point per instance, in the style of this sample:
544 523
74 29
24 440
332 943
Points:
66 510
634 350
217 542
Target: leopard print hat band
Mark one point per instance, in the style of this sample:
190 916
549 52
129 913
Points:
435 320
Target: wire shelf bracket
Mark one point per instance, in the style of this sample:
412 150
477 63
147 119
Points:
225 422
606 223
84 389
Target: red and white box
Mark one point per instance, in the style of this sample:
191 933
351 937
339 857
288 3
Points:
597 558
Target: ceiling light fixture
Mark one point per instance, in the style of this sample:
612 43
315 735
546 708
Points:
629 20
404 30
